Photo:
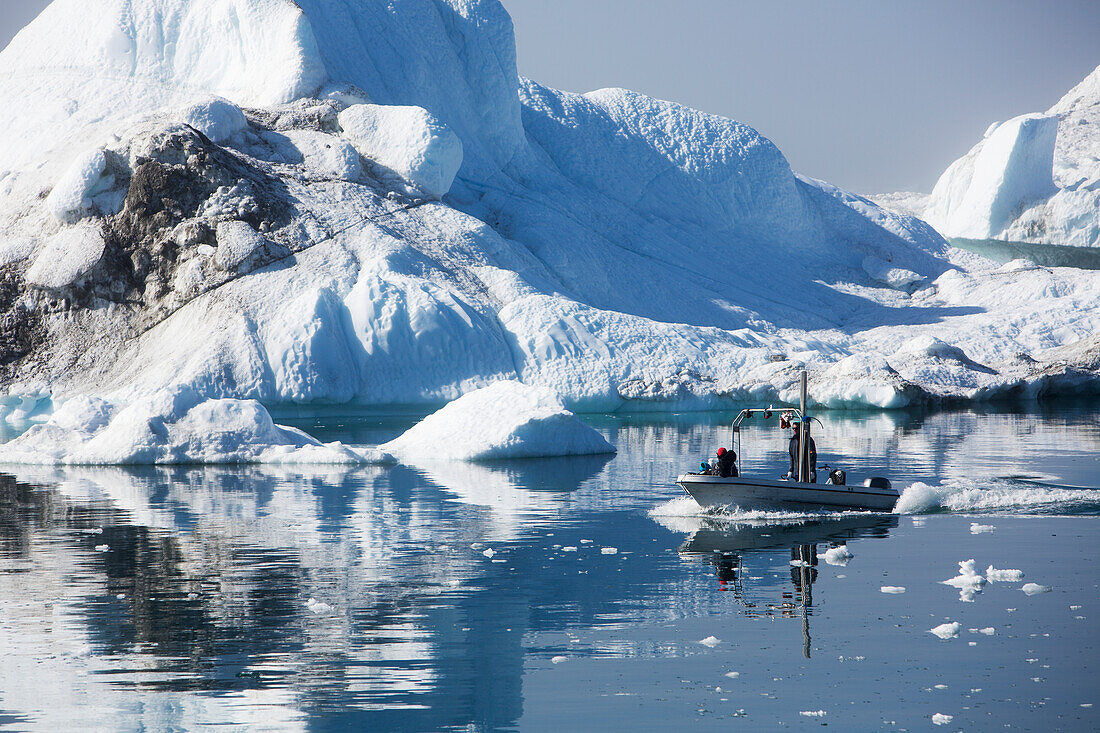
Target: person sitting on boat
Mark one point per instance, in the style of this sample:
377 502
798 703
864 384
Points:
727 463
792 449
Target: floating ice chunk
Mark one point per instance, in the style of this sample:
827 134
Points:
892 589
988 631
318 606
489 553
837 555
68 256
968 577
976 528
711 641
812 713
217 118
1034 588
558 659
733 675
940 687
102 548
169 427
569 548
1003 576
71 197
507 419
799 564
947 630
408 140
237 243
941 718
609 550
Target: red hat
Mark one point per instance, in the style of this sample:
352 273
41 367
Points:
721 452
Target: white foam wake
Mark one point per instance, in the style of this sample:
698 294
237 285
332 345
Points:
683 514
994 495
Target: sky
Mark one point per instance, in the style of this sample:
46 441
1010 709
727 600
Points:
872 95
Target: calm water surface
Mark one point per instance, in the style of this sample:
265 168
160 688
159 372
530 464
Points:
565 594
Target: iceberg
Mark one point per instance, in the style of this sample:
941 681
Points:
504 420
1034 178
328 201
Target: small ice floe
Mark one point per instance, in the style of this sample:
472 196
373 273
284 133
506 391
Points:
586 542
318 606
799 564
941 719
976 528
733 675
121 596
569 548
969 581
812 713
895 589
1034 588
1075 608
102 548
836 555
609 550
972 643
1086 704
489 553
987 631
940 686
93 530
947 631
1003 576
711 641
558 659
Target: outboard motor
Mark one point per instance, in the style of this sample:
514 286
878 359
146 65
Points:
877 482
838 477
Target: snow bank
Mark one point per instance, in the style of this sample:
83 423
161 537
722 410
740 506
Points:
71 199
504 420
409 141
68 256
218 119
173 426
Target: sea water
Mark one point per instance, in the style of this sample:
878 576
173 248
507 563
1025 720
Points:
565 594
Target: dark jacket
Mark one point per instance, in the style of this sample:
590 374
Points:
727 464
811 468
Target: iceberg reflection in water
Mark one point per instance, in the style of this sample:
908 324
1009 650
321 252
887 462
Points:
562 594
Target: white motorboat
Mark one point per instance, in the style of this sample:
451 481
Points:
709 490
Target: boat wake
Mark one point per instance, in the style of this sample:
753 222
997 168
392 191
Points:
683 514
997 495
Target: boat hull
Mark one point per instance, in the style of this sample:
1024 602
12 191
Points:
711 491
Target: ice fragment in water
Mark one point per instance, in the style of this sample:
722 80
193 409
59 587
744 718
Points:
892 589
1004 576
941 687
318 606
948 630
102 548
711 641
489 553
976 528
609 550
733 675
942 719
1034 588
968 577
558 659
837 555
813 713
569 548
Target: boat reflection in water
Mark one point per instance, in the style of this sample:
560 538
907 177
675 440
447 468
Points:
726 545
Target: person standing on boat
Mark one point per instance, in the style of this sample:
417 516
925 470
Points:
727 463
810 468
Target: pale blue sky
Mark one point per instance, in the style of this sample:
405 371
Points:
873 95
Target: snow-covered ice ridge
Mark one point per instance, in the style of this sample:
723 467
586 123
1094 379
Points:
334 201
1034 178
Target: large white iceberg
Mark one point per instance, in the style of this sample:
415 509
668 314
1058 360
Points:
332 201
1034 178
504 420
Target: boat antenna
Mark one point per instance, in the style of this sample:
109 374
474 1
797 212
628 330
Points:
803 430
